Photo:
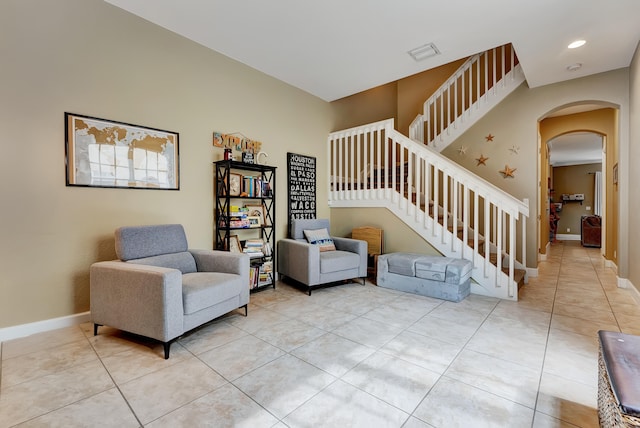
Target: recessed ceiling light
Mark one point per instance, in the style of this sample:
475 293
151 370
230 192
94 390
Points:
574 67
424 52
576 44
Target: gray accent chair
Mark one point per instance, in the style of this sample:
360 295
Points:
161 289
306 264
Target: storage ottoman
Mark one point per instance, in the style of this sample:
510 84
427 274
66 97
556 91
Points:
433 276
618 379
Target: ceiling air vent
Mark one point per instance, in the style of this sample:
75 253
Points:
424 52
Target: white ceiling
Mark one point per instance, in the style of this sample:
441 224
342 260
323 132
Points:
335 48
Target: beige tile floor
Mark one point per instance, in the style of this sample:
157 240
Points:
348 356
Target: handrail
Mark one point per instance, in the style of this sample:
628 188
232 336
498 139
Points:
480 78
374 165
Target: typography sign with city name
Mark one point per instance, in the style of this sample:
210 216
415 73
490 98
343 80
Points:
301 172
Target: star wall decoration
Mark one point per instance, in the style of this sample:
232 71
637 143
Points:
514 149
508 172
489 137
482 160
462 150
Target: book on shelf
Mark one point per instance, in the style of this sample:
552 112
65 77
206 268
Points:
253 247
253 278
254 186
238 217
258 279
266 267
265 273
264 280
254 243
266 189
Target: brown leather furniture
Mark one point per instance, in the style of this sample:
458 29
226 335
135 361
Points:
591 231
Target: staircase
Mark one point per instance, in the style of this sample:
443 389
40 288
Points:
475 88
457 212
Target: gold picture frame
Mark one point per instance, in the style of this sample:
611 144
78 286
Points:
257 211
254 221
234 244
235 184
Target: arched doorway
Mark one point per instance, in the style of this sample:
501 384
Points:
595 118
577 190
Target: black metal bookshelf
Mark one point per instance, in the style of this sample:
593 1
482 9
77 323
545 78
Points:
257 189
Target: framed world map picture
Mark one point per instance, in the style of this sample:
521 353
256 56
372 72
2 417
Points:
105 153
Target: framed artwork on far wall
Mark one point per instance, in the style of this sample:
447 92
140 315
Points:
106 153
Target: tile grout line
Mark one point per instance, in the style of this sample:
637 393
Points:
114 382
546 345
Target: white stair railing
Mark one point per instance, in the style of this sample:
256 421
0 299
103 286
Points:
457 212
476 87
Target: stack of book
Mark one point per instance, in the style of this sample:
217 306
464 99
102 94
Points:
238 218
265 273
253 247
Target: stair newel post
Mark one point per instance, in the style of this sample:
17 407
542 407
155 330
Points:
436 199
400 168
455 100
499 245
407 177
523 238
426 113
350 164
494 86
478 94
383 162
339 177
418 181
487 236
392 171
379 163
454 215
486 74
464 92
512 250
503 58
331 159
441 121
427 194
387 159
357 162
465 223
445 204
368 162
476 226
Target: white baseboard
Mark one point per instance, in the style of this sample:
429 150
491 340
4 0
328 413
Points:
23 330
532 272
634 289
567 237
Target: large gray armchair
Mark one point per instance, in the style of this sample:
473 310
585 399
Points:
306 264
161 289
